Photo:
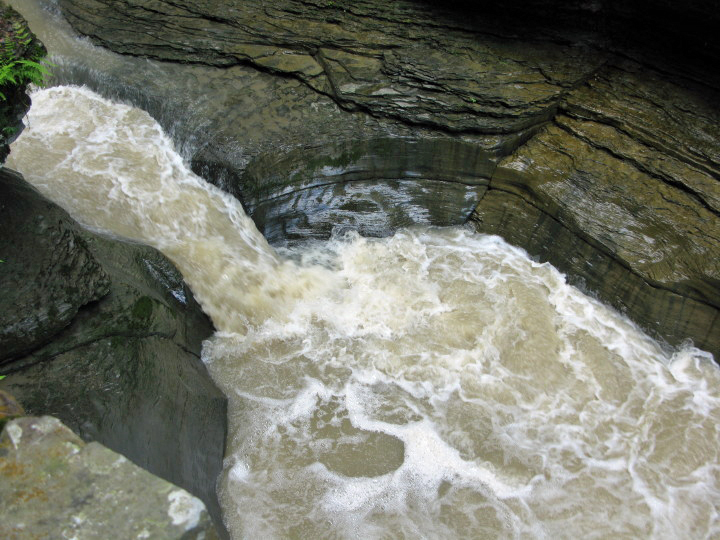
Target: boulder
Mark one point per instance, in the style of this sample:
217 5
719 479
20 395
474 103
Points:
47 273
123 367
53 485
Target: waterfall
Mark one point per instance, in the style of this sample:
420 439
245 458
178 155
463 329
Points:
435 384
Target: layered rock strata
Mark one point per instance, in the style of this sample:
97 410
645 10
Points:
621 190
599 152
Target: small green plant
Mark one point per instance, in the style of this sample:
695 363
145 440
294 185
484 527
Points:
22 71
16 70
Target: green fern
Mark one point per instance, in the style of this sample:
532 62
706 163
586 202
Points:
22 71
18 71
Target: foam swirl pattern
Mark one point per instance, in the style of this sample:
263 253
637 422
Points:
435 384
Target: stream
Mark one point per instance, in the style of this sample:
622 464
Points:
433 384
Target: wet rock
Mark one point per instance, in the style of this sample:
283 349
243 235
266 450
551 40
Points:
53 485
125 369
630 167
18 43
372 186
47 272
408 60
607 146
9 408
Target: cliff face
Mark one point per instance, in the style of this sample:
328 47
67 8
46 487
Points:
101 333
621 190
587 134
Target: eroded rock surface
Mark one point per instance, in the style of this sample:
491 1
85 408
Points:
47 272
53 485
409 60
123 368
373 186
629 166
606 148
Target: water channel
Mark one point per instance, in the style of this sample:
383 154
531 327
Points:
434 384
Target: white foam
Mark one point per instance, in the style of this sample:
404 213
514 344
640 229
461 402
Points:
432 384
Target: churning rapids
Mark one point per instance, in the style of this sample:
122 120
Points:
435 384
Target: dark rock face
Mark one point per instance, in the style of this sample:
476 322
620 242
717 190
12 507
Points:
47 272
118 361
630 167
600 116
373 186
408 60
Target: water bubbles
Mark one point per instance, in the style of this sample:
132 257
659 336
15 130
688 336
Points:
434 384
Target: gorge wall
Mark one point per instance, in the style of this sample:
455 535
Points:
102 333
105 335
585 133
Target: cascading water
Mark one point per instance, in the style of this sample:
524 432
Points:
436 384
183 111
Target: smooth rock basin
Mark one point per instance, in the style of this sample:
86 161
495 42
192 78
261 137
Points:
374 186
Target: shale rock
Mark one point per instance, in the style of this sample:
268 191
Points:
630 166
601 118
123 369
373 186
408 60
53 485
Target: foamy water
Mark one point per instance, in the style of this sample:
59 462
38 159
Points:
436 384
